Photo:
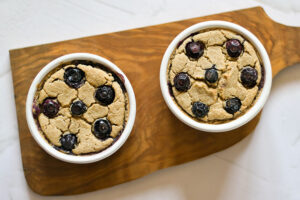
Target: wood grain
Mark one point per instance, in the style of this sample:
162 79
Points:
158 139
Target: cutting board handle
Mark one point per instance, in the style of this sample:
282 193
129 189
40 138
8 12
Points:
283 46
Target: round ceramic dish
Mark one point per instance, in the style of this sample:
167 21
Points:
39 138
235 123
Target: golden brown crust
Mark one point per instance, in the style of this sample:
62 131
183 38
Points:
53 86
228 85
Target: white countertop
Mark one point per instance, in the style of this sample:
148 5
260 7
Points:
263 166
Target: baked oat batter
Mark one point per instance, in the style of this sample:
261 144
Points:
215 75
81 108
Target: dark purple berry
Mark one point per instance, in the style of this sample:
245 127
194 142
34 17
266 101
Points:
211 75
78 108
68 141
194 49
74 77
182 81
50 107
105 94
35 110
200 109
249 77
234 47
102 129
233 105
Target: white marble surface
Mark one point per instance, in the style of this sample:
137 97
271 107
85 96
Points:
263 166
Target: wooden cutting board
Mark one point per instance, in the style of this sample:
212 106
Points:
158 139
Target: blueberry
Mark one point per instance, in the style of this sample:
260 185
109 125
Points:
36 110
78 108
211 75
194 49
50 107
74 77
200 109
233 105
182 81
68 141
105 94
234 47
249 77
102 129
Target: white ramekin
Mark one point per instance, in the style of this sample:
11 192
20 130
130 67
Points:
251 113
39 138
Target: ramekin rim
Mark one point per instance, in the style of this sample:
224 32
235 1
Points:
79 159
251 113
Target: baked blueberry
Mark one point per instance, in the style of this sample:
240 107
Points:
68 141
50 107
234 47
249 77
78 108
233 105
200 109
211 75
36 110
194 49
102 129
182 81
105 94
74 77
